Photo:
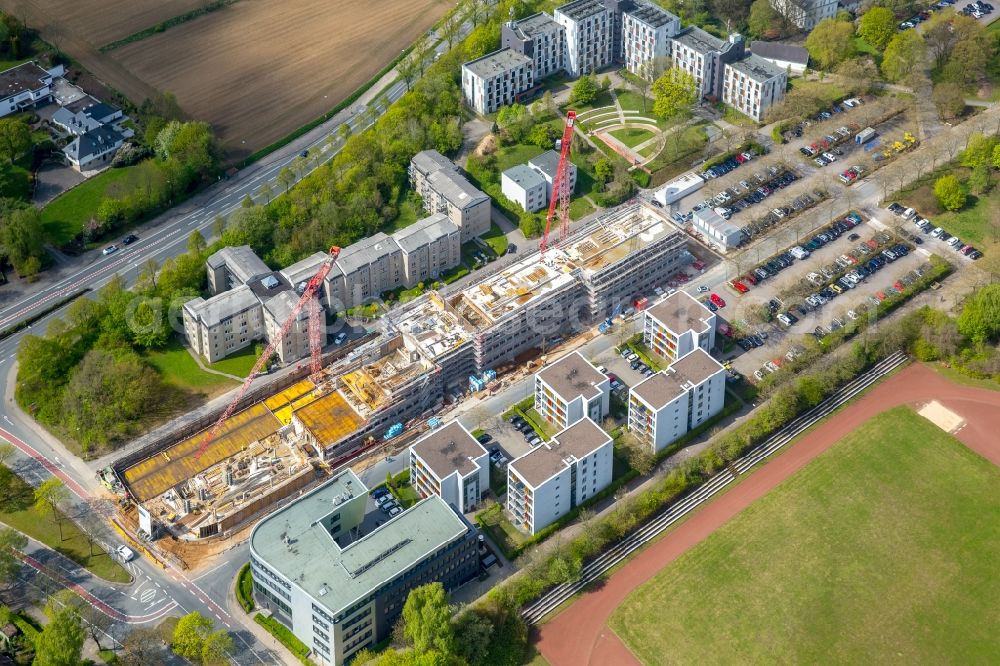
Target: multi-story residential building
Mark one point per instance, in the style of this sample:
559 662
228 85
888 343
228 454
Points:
277 309
646 34
429 247
571 389
232 266
805 14
450 463
24 86
703 56
617 10
338 580
539 38
559 475
445 190
717 228
786 57
753 85
546 165
365 269
677 325
665 406
589 30
497 79
224 323
525 187
423 164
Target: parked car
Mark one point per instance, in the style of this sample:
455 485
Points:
718 300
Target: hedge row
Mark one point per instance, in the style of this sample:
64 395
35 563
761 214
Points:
169 23
285 637
244 588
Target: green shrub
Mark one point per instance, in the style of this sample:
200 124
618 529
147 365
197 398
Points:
285 637
244 588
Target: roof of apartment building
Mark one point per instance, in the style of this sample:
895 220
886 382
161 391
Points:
581 9
429 161
498 62
456 189
366 251
240 260
269 285
222 305
652 15
681 312
525 177
424 232
548 163
449 449
303 271
26 76
573 376
295 543
280 306
534 25
575 442
698 40
756 68
779 51
690 370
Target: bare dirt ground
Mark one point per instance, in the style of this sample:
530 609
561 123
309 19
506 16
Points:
580 636
259 69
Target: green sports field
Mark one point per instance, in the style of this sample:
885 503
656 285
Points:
884 549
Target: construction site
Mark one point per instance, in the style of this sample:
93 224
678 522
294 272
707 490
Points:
384 390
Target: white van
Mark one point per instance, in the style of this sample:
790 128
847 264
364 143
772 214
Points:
799 252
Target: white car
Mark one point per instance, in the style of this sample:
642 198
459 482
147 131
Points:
395 511
111 249
937 232
339 340
783 318
126 553
830 157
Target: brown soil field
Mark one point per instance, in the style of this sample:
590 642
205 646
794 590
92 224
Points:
102 21
259 69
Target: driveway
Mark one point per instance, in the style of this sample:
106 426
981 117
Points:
52 179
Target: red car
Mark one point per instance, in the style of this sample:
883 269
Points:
749 277
740 287
898 286
718 300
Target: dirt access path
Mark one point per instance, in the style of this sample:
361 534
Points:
580 636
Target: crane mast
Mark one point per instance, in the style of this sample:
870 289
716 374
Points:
560 187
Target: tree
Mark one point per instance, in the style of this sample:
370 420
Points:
450 28
732 12
21 237
15 139
981 179
10 542
7 452
764 20
859 73
216 648
196 243
995 161
674 92
603 170
286 178
49 496
877 27
427 619
830 42
949 99
980 317
190 635
266 191
584 91
61 640
978 150
949 192
473 631
531 225
904 55
142 647
640 456
408 69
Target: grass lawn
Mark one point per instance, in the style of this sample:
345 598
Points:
863 47
501 531
454 274
603 99
496 239
239 364
17 510
64 217
15 182
579 208
177 367
733 116
409 212
632 101
518 153
883 548
632 136
681 145
826 91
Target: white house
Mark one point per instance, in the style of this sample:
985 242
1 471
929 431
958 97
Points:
679 188
805 14
94 149
667 405
524 187
546 165
559 475
450 463
25 86
539 38
677 325
571 389
787 57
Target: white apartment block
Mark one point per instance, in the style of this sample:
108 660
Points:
497 79
571 389
223 324
667 405
696 52
546 165
445 190
753 85
805 14
557 476
677 325
589 35
646 34
539 38
450 463
525 187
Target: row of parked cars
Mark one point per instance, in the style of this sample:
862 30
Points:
728 165
527 430
978 9
747 192
776 215
385 501
927 227
634 361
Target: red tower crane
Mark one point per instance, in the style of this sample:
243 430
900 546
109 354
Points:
309 298
560 187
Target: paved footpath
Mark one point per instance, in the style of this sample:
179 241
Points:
580 635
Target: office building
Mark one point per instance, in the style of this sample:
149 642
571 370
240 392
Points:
337 580
589 30
557 476
450 463
753 85
497 79
677 325
525 187
571 389
646 34
667 405
539 38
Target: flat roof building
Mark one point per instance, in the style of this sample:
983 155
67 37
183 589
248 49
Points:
546 165
232 266
338 582
716 229
224 323
646 34
571 389
524 187
450 463
753 85
23 86
497 79
557 476
787 57
539 38
677 325
589 27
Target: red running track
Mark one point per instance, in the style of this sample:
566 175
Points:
580 636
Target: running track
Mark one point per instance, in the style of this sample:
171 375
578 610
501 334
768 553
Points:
580 636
